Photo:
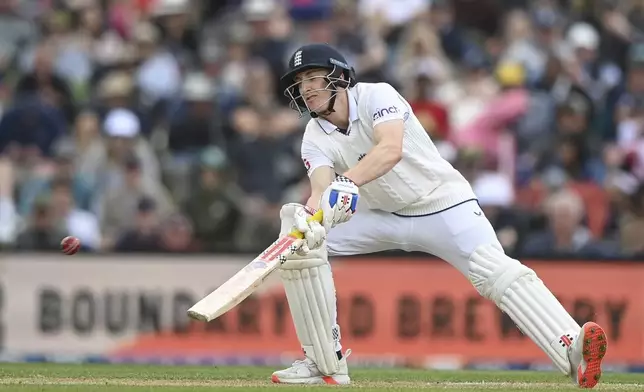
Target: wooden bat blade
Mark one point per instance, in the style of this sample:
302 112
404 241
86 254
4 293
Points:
245 282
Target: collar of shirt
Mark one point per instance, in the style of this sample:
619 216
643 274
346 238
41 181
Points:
353 115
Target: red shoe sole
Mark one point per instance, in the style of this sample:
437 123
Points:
327 380
594 349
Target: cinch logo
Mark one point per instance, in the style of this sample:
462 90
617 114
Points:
381 112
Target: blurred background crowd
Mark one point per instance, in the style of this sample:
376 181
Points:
157 125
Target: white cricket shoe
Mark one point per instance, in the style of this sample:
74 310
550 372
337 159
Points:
306 372
586 354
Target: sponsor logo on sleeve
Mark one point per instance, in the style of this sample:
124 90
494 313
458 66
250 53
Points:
385 111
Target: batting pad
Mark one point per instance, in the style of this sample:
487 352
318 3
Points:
520 294
310 292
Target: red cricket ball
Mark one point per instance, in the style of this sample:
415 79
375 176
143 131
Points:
70 245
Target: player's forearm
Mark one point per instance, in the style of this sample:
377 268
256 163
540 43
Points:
314 201
375 164
320 180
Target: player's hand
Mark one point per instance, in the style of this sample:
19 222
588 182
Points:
314 232
339 202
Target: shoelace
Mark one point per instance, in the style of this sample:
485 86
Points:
305 361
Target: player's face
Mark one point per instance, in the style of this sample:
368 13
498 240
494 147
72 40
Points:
313 87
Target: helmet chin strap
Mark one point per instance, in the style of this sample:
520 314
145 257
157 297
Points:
329 107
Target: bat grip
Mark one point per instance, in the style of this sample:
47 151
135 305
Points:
317 217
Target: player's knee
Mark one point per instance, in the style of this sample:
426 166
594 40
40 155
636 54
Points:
492 271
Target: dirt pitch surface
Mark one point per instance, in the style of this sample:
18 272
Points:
136 378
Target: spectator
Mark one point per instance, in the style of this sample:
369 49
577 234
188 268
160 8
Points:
596 75
214 206
421 53
574 158
115 91
61 167
9 218
233 65
194 125
159 75
83 145
263 130
271 32
41 233
44 82
76 222
393 19
631 224
144 235
29 130
360 45
122 129
566 235
119 206
432 114
179 35
16 34
177 235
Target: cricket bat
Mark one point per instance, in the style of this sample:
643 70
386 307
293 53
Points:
246 281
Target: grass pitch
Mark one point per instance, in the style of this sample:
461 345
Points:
138 378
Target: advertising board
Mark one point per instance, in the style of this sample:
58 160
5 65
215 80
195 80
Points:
410 309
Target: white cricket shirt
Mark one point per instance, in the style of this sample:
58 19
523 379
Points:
421 183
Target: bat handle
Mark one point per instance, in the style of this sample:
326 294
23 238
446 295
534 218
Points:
317 217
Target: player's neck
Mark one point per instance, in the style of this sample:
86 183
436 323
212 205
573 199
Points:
340 116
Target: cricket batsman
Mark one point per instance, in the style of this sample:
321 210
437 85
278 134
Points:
364 143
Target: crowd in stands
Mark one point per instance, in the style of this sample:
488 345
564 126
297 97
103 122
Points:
158 125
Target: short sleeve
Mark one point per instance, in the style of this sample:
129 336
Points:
313 157
384 104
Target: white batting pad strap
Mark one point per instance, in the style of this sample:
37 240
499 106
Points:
302 262
520 294
310 293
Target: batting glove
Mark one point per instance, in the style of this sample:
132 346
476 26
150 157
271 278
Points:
314 232
339 202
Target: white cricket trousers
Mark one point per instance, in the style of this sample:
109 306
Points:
452 235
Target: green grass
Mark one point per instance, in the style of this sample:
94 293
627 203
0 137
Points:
139 378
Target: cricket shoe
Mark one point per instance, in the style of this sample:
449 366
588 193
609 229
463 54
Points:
586 354
306 372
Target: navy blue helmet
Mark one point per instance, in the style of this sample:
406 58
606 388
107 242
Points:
316 56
